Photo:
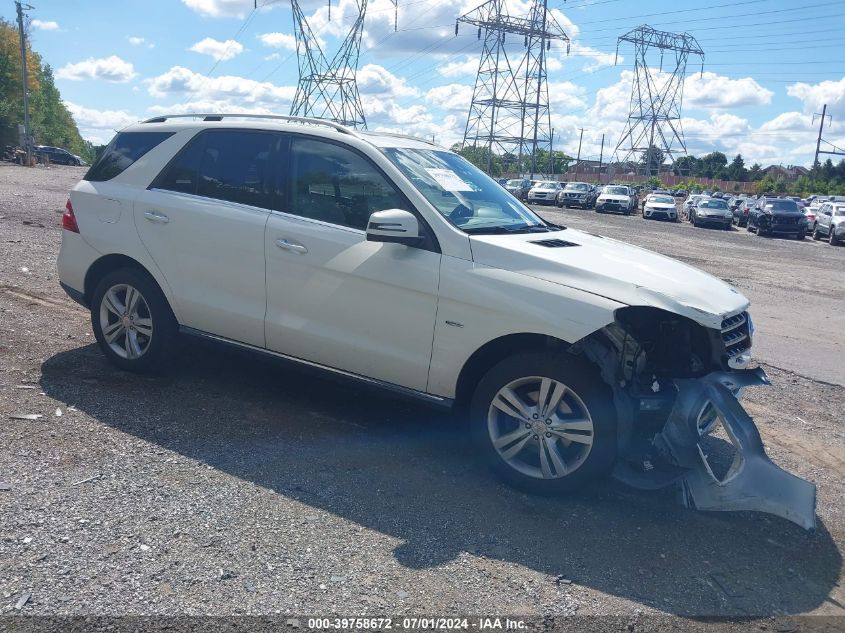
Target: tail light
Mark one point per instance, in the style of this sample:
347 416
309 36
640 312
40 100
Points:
69 219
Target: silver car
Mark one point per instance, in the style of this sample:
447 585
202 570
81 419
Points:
830 222
712 212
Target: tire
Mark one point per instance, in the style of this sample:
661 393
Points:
142 352
816 235
586 399
801 235
831 235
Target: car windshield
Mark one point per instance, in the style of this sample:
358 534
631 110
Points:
547 184
661 199
840 212
463 194
514 183
577 187
781 205
713 203
616 191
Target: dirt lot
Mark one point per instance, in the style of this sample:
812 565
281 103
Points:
231 486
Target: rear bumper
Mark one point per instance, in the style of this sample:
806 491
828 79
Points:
75 259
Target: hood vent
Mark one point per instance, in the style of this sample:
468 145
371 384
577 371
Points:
554 243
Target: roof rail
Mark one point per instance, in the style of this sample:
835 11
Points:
397 135
208 116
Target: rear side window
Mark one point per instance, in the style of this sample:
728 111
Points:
236 166
125 149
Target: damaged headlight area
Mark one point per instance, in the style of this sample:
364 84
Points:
675 387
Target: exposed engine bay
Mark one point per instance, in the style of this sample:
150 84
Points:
676 386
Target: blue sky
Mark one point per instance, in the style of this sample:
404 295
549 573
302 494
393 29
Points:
769 65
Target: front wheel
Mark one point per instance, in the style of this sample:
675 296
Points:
831 235
132 320
544 422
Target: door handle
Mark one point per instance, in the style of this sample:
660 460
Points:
155 216
291 246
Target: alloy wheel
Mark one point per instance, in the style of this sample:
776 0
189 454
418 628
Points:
540 427
125 321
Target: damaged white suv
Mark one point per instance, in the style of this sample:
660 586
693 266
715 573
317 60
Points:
395 263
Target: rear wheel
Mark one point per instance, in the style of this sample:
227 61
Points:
132 320
831 235
544 422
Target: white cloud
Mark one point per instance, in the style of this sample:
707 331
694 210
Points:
42 25
453 97
815 96
278 40
220 51
98 126
220 8
789 122
712 91
235 91
375 79
112 69
140 41
468 66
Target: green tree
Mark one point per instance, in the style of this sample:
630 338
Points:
736 170
652 160
755 172
51 122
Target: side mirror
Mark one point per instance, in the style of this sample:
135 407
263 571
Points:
395 226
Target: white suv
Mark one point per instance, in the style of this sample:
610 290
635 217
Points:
389 260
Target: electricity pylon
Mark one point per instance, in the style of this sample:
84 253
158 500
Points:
328 89
509 113
653 131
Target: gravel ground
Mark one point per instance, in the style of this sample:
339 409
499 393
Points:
232 486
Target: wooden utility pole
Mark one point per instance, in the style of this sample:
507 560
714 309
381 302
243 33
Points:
601 156
578 159
27 137
819 139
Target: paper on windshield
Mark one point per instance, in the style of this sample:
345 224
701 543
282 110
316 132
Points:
449 180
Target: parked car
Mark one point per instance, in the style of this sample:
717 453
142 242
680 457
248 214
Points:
57 155
518 187
712 212
660 207
681 193
348 253
544 192
577 194
740 213
692 201
830 222
811 212
781 216
616 198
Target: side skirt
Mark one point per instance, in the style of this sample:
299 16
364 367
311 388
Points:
330 372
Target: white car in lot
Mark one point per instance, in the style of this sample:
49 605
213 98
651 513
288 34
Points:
615 198
660 207
830 222
544 192
393 263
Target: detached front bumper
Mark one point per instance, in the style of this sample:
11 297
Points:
752 481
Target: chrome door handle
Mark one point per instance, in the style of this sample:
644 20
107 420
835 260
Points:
290 246
155 216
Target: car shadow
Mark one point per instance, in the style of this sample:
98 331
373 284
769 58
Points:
409 472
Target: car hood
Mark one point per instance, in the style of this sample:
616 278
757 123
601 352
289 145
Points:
614 270
621 196
660 205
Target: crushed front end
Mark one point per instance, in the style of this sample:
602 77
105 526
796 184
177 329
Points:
676 385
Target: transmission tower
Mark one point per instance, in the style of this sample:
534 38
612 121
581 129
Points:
509 113
653 131
328 89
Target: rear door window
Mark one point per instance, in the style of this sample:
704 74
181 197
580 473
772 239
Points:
123 151
237 165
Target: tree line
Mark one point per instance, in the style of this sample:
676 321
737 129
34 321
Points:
50 121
